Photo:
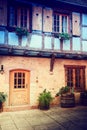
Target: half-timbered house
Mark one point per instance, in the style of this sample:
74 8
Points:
39 58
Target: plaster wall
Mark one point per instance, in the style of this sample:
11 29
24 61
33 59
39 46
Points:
40 76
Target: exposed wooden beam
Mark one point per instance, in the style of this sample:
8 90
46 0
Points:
52 62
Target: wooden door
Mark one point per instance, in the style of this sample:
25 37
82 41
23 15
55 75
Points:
19 87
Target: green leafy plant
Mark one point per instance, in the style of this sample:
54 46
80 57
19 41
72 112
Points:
21 31
64 36
45 99
63 90
2 97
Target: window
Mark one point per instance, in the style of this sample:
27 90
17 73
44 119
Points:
75 77
61 23
19 17
12 19
19 80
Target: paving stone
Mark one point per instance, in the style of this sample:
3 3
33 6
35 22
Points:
0 127
35 114
5 117
41 127
21 123
55 127
56 118
34 121
8 127
49 127
25 128
6 122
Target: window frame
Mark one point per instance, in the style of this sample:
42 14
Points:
17 14
60 21
19 80
75 78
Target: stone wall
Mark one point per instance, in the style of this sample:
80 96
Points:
40 76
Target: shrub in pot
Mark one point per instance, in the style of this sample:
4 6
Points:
21 31
64 36
2 99
45 99
67 98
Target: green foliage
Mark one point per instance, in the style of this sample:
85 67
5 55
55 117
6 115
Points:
21 31
45 99
63 90
64 36
2 97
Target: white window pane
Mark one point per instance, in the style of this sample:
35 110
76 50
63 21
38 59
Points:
64 23
60 23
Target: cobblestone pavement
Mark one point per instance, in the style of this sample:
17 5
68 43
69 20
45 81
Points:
56 118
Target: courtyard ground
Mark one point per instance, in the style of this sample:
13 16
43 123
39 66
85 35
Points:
56 118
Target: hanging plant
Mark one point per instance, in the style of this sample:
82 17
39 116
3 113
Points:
64 36
21 31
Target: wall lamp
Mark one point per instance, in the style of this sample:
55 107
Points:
2 69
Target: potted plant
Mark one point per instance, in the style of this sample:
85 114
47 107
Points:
64 36
67 98
2 99
21 32
45 99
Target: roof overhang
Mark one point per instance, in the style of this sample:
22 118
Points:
16 51
70 5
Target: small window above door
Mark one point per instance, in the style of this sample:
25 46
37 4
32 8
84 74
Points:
19 80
